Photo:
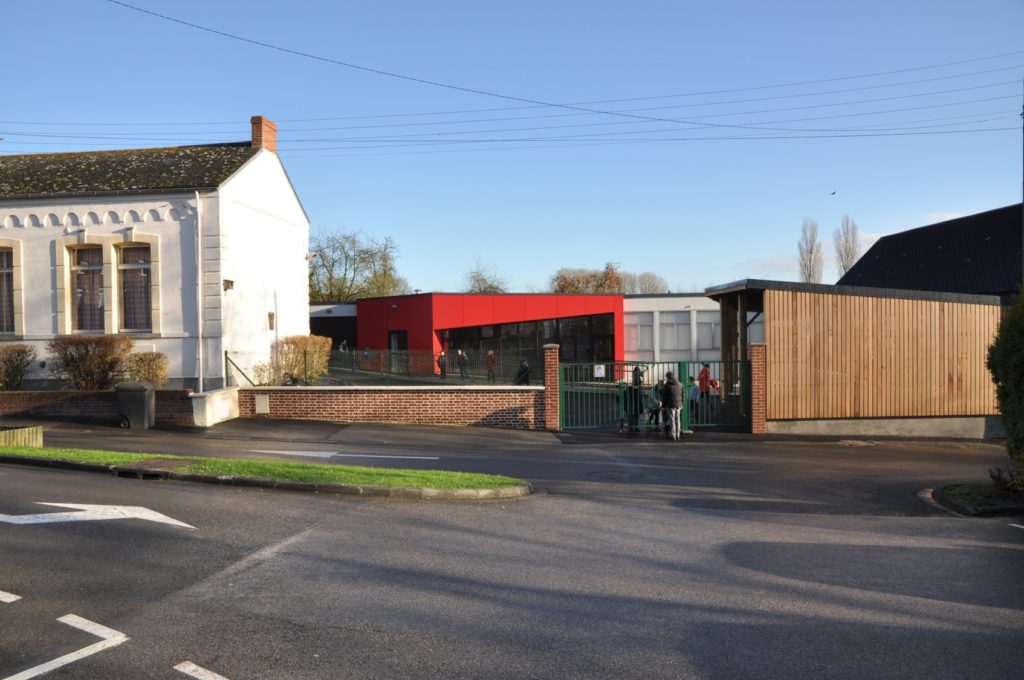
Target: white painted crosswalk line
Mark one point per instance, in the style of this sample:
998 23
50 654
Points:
7 598
198 672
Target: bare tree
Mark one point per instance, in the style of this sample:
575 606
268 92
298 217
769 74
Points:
349 266
630 283
483 280
847 244
650 283
810 258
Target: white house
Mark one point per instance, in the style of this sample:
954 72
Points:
192 251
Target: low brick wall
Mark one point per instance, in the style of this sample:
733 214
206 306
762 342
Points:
508 407
173 407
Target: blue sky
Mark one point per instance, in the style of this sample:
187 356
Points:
700 196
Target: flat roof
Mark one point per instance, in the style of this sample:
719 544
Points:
760 285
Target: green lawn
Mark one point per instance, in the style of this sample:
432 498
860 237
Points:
269 469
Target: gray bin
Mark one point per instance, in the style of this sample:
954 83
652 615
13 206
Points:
136 402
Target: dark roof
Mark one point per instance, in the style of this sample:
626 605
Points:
124 171
758 286
978 254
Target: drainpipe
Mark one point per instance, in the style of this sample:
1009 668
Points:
199 289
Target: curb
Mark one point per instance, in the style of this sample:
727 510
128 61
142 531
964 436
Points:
367 491
972 510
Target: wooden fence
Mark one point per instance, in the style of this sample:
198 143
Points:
847 356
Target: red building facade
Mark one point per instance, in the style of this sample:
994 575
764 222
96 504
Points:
587 327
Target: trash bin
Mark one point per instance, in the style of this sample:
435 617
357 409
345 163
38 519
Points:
136 403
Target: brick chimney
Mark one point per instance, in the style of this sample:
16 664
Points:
264 134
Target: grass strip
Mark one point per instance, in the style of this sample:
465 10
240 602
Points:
291 471
970 493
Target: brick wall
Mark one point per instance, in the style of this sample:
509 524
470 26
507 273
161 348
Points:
519 408
758 388
525 408
173 407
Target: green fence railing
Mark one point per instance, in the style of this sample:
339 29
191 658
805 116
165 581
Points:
622 395
626 395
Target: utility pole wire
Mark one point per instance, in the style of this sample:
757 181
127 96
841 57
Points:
434 83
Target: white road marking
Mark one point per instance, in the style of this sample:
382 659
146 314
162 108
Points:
1019 526
309 454
198 672
93 512
8 597
332 454
368 455
111 638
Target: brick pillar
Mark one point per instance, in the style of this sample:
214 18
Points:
758 388
551 390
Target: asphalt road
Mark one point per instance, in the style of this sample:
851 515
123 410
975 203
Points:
640 559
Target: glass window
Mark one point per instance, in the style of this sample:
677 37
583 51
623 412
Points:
6 290
136 288
709 331
603 324
755 331
549 331
674 328
639 328
87 288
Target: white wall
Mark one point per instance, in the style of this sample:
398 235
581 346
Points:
263 240
41 227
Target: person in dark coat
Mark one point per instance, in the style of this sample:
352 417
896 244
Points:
672 402
523 376
442 364
462 359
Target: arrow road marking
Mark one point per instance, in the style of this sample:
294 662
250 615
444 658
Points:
309 454
111 638
7 598
368 455
332 454
93 512
198 672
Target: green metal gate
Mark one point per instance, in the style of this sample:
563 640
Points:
624 395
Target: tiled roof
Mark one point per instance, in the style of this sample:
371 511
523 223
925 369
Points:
129 170
978 254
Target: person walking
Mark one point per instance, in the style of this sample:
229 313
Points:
442 364
492 365
672 401
462 360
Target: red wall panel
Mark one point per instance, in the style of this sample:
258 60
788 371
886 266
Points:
421 316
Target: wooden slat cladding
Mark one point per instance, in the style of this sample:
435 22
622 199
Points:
846 356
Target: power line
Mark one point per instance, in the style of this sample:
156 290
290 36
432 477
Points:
125 137
434 83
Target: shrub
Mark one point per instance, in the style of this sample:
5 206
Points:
1006 363
1007 482
89 362
148 367
294 359
267 373
303 357
14 361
